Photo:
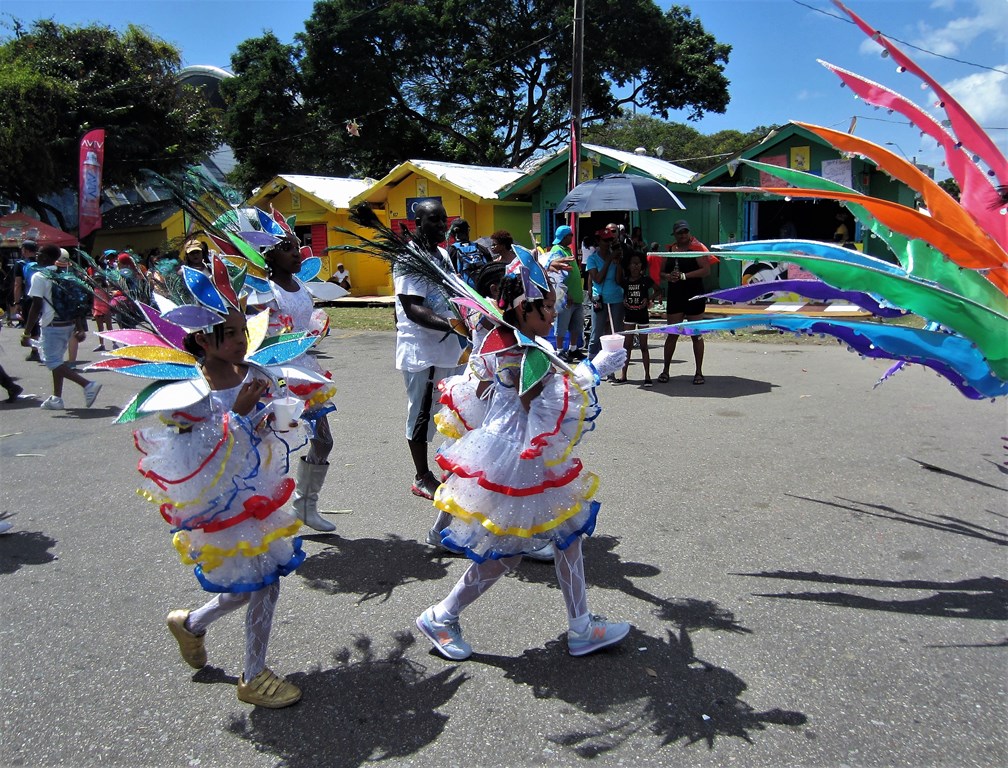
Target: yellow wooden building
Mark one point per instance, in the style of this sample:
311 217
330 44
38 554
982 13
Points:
319 204
467 191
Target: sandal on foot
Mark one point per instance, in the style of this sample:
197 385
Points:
268 690
699 379
647 383
662 378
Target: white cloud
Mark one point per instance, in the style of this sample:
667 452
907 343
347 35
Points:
984 95
958 33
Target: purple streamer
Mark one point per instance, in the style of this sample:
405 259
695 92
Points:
810 289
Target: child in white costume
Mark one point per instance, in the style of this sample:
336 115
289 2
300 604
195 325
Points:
291 310
216 466
514 484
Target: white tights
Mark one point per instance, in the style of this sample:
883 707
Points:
479 577
258 621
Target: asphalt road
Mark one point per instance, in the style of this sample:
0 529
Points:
815 572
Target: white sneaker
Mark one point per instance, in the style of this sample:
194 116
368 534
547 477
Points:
91 393
52 403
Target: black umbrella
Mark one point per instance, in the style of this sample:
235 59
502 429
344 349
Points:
619 192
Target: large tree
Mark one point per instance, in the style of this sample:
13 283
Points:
678 143
480 81
57 82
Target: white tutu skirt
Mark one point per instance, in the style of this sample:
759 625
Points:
514 485
222 487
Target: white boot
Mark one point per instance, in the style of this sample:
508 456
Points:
309 482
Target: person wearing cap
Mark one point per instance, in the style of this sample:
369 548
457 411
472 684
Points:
341 277
195 254
570 319
685 276
466 256
55 333
605 269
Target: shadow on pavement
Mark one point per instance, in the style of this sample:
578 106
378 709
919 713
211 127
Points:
981 598
363 710
606 570
624 691
371 568
720 387
942 523
951 473
21 548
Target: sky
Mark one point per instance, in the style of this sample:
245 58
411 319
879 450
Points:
772 67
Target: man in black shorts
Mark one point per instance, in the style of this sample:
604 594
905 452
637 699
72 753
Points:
685 276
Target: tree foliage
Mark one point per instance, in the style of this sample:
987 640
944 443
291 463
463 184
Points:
951 186
57 82
481 81
680 143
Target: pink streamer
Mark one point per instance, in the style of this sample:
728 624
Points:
964 126
978 197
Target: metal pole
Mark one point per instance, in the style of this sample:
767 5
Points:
577 67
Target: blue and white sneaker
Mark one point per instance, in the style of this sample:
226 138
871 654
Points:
599 634
445 637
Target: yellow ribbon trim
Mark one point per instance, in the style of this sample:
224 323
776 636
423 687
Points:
455 510
211 557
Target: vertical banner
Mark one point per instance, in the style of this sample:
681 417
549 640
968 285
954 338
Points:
91 158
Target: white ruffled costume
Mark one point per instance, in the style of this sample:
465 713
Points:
515 484
293 312
220 480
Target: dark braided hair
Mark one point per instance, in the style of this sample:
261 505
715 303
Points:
510 289
485 276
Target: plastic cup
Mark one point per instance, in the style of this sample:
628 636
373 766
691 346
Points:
612 342
286 411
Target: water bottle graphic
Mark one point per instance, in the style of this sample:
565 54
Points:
92 182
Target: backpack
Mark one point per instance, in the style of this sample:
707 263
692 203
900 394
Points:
71 299
465 256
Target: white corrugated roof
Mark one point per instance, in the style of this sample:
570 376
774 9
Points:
653 166
483 181
337 192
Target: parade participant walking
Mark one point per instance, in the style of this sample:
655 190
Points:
291 311
427 348
514 485
55 333
685 276
215 468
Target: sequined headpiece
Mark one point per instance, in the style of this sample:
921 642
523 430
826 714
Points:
524 267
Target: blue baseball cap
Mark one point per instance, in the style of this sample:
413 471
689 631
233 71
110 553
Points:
561 233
